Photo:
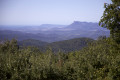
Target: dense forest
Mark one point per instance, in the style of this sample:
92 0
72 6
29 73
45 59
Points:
60 46
99 60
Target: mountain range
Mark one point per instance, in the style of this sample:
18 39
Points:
52 33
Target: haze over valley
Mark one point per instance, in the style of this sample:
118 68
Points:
53 33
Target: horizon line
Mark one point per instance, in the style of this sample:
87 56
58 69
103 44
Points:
43 24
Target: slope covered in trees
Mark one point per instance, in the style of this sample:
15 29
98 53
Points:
70 45
62 46
32 42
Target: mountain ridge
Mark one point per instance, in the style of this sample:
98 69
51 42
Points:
74 30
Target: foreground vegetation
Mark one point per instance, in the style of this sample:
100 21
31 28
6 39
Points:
99 61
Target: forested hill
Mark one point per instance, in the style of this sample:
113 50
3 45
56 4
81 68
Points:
63 46
32 42
70 45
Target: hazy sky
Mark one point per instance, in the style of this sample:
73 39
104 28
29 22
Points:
36 12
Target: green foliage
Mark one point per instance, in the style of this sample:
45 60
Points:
111 19
60 46
70 45
99 61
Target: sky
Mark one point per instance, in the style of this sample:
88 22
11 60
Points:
37 12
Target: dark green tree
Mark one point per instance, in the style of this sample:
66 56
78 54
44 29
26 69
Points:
111 19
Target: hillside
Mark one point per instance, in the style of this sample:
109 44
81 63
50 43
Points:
8 34
70 45
63 46
32 42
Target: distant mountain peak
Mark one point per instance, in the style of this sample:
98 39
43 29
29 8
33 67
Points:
79 22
